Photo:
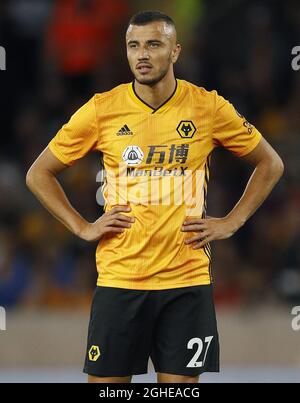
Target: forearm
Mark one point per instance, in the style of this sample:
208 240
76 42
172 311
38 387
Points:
49 192
259 186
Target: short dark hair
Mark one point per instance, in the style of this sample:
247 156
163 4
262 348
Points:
148 16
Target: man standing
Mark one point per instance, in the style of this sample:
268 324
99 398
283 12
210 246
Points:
154 292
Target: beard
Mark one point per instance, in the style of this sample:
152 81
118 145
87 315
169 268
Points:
154 80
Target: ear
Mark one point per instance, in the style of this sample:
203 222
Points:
175 53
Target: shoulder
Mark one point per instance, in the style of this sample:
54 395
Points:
112 94
199 91
200 97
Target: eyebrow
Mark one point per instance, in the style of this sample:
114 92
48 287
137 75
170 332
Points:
132 41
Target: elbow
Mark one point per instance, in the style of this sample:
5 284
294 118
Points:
30 179
273 168
277 167
280 168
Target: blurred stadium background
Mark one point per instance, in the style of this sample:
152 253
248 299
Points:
59 53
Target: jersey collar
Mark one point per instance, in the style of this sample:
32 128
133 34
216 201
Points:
170 101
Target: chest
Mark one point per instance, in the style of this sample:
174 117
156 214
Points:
181 136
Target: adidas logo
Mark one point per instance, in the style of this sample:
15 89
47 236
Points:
124 131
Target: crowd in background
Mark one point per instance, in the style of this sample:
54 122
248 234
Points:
59 53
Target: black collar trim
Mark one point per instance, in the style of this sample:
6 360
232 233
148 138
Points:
160 106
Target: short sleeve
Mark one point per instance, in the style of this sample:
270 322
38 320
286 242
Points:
231 130
77 137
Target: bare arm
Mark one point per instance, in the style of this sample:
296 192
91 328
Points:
267 172
42 181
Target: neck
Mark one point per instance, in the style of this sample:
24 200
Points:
155 95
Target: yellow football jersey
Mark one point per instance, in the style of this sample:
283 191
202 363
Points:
156 160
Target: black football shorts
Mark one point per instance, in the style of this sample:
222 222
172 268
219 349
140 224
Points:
176 327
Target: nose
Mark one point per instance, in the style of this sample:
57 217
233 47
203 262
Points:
143 54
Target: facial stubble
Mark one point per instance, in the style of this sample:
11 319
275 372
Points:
154 81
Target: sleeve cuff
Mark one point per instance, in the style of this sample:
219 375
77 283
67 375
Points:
58 155
251 146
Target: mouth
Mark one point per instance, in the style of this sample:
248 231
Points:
144 68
